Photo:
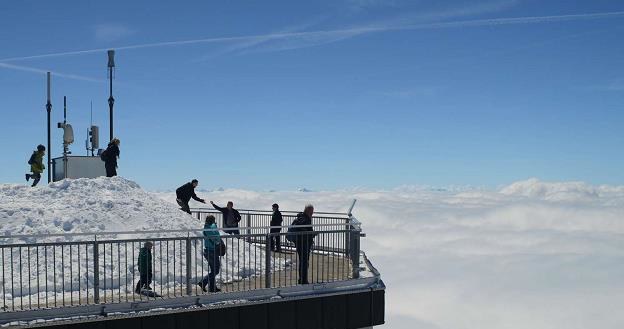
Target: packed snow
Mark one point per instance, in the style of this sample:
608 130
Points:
96 206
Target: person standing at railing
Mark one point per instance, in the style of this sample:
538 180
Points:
145 268
231 217
276 220
184 194
212 239
304 239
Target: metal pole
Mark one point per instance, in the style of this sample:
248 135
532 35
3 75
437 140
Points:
96 273
189 271
65 149
49 109
267 261
111 102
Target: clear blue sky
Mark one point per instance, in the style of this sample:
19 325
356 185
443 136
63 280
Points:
324 94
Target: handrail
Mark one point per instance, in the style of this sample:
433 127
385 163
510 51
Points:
199 230
206 209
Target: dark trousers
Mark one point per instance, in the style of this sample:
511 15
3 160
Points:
184 206
237 232
36 177
214 264
111 169
303 253
275 239
144 281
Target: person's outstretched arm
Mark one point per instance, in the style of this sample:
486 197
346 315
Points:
215 206
196 198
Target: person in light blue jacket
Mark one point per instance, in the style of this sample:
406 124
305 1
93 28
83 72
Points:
212 238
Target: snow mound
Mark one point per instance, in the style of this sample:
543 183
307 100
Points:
86 205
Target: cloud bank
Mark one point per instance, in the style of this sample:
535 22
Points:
530 255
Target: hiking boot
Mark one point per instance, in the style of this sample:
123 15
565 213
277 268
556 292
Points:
215 290
202 286
27 177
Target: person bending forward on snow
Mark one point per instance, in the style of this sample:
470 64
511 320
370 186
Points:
184 194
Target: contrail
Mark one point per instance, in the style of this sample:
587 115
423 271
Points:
58 74
342 32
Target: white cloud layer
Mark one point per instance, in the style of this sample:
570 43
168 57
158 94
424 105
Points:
530 255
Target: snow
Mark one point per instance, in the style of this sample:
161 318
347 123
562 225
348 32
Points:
86 205
104 205
532 254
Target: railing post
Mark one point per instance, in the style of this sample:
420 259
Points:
267 261
96 272
354 251
248 223
248 220
189 289
347 234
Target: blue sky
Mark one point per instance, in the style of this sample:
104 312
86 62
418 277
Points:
324 94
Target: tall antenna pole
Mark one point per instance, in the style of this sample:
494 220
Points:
111 100
49 109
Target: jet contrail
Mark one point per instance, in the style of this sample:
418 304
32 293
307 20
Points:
58 74
341 32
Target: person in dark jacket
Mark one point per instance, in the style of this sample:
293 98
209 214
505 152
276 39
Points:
276 220
304 241
145 268
212 239
184 194
110 157
231 217
36 165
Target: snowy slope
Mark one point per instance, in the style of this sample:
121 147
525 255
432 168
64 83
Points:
104 205
86 205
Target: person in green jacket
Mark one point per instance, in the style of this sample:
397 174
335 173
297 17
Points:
212 238
36 165
145 267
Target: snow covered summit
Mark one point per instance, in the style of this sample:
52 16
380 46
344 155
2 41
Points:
86 205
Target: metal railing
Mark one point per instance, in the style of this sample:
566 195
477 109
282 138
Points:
102 271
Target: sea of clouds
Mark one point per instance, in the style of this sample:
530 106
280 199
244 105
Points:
529 255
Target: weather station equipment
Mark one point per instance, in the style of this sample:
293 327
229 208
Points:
70 166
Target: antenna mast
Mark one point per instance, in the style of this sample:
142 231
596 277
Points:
49 109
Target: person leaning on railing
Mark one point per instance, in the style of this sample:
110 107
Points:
212 238
303 241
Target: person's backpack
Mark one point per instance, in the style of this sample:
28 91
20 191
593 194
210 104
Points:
104 155
32 159
291 234
221 248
